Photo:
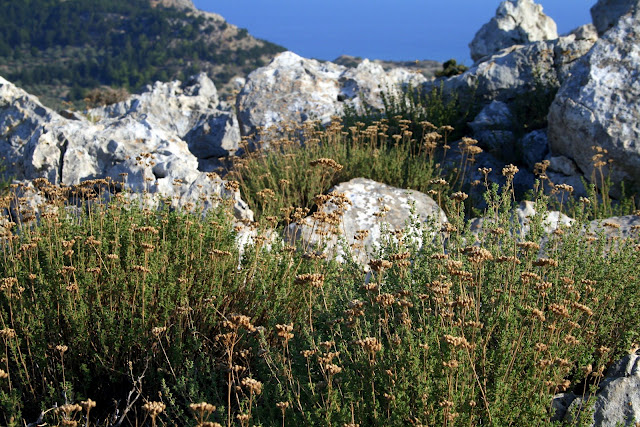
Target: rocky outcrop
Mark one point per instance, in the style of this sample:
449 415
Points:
190 110
141 147
293 89
363 209
606 13
515 70
598 106
516 22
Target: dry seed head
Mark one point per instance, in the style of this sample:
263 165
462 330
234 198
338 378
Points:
509 171
158 330
544 262
477 255
540 347
329 163
3 374
282 406
332 369
285 332
452 364
538 314
7 333
254 386
88 404
380 264
559 310
527 246
154 408
62 348
385 300
370 344
459 196
571 340
316 280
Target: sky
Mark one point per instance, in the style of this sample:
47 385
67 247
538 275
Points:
379 29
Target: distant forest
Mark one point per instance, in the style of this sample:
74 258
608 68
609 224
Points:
83 44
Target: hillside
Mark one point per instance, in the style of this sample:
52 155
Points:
59 50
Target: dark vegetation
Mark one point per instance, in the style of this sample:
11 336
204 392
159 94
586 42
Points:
54 48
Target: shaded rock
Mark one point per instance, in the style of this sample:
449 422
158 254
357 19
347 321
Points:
606 13
617 403
492 127
292 89
367 200
598 105
534 147
563 165
516 22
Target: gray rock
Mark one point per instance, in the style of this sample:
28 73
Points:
563 165
534 146
367 199
515 70
39 143
606 13
190 110
496 115
516 22
492 127
598 105
617 402
292 89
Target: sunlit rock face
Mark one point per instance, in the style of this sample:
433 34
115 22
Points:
516 22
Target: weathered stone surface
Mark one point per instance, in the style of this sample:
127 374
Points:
606 13
516 22
295 89
368 199
515 70
598 105
190 110
39 143
617 402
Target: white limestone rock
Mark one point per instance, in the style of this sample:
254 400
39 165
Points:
367 199
516 22
293 89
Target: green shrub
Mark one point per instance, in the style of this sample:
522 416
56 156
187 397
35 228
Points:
115 297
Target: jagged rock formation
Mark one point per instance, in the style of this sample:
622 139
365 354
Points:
191 110
516 22
142 144
515 70
296 89
598 105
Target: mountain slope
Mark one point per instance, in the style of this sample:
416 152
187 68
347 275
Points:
61 49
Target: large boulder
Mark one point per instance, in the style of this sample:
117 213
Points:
606 13
598 106
293 89
516 70
516 22
133 148
364 209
